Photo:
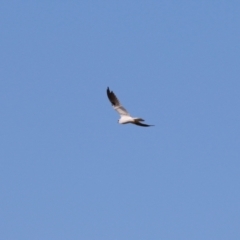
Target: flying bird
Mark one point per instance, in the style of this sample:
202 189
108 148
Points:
124 115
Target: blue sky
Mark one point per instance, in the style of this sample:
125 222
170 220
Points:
69 170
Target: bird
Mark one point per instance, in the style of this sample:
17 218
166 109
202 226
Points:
125 117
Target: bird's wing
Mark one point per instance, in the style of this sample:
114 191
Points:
138 122
116 104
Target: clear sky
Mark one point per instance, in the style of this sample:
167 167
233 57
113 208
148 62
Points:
69 170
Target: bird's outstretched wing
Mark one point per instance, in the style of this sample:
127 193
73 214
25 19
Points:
138 122
116 104
142 124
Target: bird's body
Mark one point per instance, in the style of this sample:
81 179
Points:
124 115
125 119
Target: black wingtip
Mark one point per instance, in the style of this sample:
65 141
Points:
109 94
143 124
